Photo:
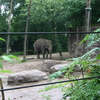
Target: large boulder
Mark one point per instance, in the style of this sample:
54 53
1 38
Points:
26 77
57 67
74 48
47 64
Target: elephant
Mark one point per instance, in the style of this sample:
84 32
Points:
44 46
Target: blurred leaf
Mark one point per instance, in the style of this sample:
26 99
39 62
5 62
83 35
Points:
12 56
1 66
98 56
2 39
98 20
86 38
5 71
7 59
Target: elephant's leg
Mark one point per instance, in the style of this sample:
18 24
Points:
50 55
38 55
43 52
46 54
50 51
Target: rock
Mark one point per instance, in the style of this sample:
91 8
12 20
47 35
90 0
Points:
57 67
74 48
47 64
26 77
77 68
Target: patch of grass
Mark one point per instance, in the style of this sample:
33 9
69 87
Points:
18 53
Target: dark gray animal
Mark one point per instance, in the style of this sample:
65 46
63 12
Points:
44 46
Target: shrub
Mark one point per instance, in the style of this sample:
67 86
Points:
30 52
85 89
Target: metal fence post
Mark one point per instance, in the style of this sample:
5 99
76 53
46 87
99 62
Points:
2 92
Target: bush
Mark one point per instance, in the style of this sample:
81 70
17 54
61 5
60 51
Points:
1 53
18 53
86 89
30 52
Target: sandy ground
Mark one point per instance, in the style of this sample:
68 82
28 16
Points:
29 93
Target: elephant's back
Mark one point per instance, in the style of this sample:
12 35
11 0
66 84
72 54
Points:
41 41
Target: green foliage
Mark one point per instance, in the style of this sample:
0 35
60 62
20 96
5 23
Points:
92 38
45 16
46 97
1 66
85 89
5 71
30 52
7 58
1 42
98 20
84 61
23 60
14 57
18 53
2 39
1 53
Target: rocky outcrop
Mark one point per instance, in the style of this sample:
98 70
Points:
52 66
57 67
26 77
75 49
47 64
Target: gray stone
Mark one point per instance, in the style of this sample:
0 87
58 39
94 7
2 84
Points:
47 64
74 48
57 67
26 77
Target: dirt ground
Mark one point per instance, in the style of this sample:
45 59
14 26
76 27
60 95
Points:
30 93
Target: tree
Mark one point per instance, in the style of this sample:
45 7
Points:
26 30
9 27
46 16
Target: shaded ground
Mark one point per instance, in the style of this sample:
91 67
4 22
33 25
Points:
30 93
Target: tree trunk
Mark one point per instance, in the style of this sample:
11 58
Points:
9 29
26 30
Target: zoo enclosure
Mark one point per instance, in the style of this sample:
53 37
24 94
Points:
12 33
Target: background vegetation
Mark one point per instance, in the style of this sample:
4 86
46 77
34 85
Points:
44 16
55 16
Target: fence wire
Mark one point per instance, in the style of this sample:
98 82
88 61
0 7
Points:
49 83
13 33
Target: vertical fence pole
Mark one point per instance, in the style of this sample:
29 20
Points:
88 13
2 92
87 21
